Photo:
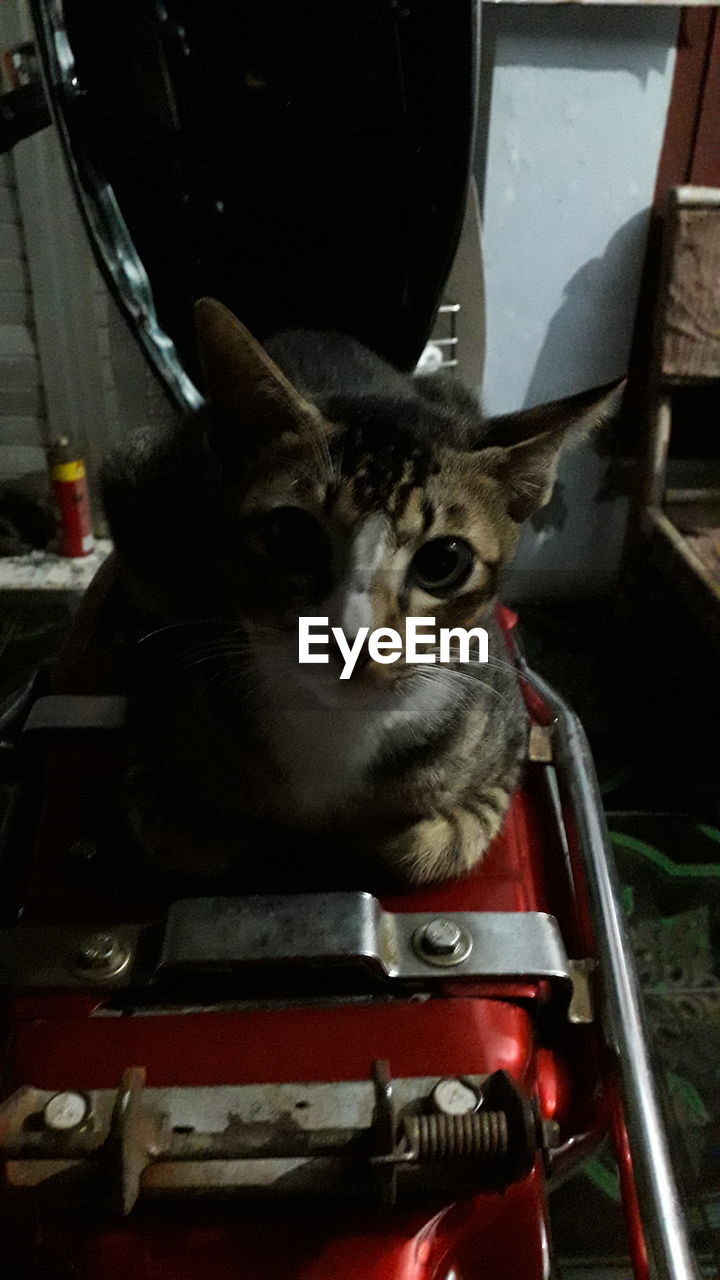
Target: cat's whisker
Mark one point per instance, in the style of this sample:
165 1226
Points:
474 683
316 440
325 469
499 664
233 678
490 661
183 663
173 626
452 664
464 697
337 465
321 438
210 657
301 472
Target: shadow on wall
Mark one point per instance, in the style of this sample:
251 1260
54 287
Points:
572 114
589 320
588 38
573 546
577 37
586 507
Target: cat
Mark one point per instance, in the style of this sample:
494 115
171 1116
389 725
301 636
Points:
319 481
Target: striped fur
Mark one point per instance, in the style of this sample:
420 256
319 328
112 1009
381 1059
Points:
248 763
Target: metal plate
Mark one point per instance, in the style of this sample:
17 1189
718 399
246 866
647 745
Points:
352 1136
76 711
336 927
280 933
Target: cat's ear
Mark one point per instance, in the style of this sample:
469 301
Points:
250 399
522 450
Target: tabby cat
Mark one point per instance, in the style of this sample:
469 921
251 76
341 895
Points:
319 481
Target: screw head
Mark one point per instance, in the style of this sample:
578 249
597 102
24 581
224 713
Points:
98 952
101 955
442 942
65 1111
441 937
454 1097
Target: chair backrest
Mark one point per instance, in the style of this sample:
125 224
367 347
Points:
688 330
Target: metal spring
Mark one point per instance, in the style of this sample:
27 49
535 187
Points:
479 1135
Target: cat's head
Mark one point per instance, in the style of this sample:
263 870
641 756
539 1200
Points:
369 506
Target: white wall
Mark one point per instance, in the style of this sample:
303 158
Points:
576 101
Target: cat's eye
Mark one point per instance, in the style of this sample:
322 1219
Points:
296 540
442 565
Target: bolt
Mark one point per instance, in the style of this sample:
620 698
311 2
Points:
65 1111
454 1097
101 954
441 937
98 952
442 942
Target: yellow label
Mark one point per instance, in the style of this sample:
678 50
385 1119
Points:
67 471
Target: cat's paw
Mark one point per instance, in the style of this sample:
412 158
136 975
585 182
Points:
446 846
440 848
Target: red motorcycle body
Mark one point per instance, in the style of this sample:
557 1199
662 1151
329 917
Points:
59 1040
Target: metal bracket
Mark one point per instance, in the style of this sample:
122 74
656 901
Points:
418 1134
64 711
540 744
582 1005
273 937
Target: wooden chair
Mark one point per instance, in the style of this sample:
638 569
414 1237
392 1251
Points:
682 525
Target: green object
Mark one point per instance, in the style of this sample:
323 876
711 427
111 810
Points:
682 1089
603 1177
628 900
681 870
712 833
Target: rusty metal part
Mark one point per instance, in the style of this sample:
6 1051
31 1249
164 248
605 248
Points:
540 744
480 1135
137 1136
582 1004
354 1136
384 1126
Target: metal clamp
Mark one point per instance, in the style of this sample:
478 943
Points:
412 1134
277 937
